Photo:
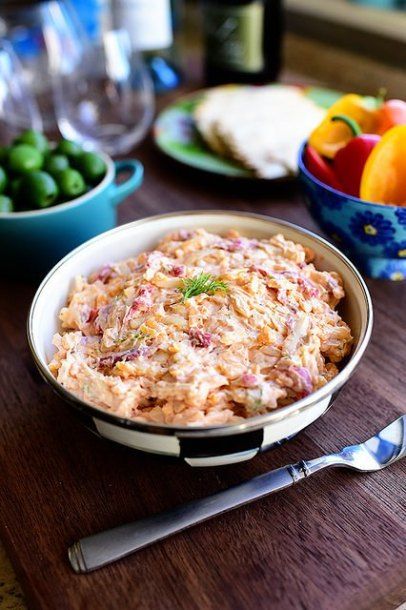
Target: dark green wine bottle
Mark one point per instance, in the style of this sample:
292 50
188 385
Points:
243 40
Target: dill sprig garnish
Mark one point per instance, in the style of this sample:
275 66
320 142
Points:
205 282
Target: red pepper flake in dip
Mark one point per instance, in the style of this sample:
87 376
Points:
128 356
191 333
143 299
103 275
306 380
198 338
177 270
249 380
308 287
92 315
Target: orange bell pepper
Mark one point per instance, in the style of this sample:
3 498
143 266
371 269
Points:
384 177
330 136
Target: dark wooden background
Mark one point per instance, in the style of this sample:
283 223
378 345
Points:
334 542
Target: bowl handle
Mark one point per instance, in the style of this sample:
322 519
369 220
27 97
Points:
119 192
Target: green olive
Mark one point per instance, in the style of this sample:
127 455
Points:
71 183
69 148
55 163
91 166
24 158
35 139
3 180
37 190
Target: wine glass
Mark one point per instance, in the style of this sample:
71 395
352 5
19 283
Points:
28 26
103 95
18 108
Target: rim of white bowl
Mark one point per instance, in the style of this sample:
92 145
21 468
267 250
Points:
303 168
53 209
250 424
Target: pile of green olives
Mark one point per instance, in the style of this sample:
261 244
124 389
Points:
35 175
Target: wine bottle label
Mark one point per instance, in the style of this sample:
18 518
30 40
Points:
148 22
234 36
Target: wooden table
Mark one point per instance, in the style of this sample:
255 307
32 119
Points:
335 542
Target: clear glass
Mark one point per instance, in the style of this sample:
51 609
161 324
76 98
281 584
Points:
103 94
18 108
28 27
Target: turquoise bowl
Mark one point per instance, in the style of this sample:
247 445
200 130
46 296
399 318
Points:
32 242
372 235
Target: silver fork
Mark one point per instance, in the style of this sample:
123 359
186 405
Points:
383 449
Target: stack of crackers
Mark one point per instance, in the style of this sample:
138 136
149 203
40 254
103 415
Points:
261 128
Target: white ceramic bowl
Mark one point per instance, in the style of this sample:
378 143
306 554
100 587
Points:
199 446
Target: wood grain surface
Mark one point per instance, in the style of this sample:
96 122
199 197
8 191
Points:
335 542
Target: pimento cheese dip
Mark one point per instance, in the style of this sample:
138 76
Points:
136 342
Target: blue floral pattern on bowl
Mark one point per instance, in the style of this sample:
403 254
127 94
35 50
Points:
372 235
372 228
401 215
393 270
396 249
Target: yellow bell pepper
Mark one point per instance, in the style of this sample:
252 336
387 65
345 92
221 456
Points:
384 176
330 136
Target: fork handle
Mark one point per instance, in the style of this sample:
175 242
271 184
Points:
100 549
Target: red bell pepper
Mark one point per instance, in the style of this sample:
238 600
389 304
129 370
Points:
349 162
391 113
320 168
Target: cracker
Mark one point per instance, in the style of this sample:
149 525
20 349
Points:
206 114
262 128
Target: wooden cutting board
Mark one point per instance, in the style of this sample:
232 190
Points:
337 541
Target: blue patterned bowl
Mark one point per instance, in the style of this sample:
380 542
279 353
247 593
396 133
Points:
372 235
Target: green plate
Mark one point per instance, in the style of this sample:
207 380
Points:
175 134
